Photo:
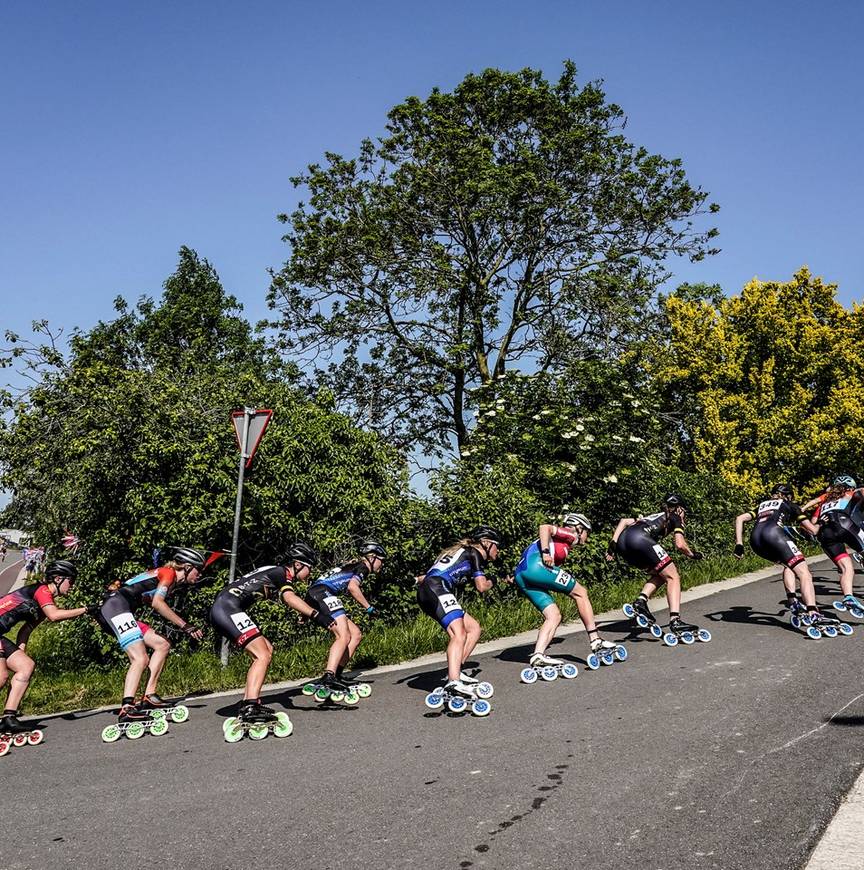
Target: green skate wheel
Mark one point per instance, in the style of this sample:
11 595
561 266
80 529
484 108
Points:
157 713
309 689
180 714
258 730
321 695
337 697
364 690
159 727
232 730
111 733
284 726
350 699
136 730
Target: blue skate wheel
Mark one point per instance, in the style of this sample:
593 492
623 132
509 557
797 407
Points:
858 614
569 671
838 605
656 631
704 635
549 673
484 690
829 631
806 619
796 621
528 676
620 653
457 704
642 621
845 629
593 662
435 700
629 612
481 707
607 659
813 633
687 637
670 639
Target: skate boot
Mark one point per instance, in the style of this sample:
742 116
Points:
333 689
13 732
849 603
157 706
481 688
823 625
798 615
133 722
362 690
638 611
458 697
547 668
685 633
605 652
256 720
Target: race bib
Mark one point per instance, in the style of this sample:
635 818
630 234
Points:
242 621
125 626
446 560
332 602
793 549
563 578
448 603
660 552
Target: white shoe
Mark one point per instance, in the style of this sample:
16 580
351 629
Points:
539 660
464 678
601 645
459 688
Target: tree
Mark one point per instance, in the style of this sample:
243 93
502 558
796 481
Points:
504 225
767 385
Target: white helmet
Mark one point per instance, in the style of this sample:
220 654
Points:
576 520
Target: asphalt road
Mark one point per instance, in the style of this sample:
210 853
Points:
731 754
9 570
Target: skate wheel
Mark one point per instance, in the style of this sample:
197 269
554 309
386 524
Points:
434 701
549 673
4 747
136 730
608 658
321 695
284 726
813 633
629 612
364 690
656 631
805 619
159 727
593 662
19 740
232 730
687 637
621 654
481 707
180 714
34 738
258 730
569 671
337 697
111 734
528 676
484 690
670 639
858 614
308 689
642 621
796 621
704 635
157 714
844 629
457 705
351 698
838 605
830 631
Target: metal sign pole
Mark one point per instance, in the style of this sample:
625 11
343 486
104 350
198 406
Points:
238 506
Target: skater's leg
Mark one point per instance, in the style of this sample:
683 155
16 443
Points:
22 667
669 575
261 651
551 621
847 573
456 647
339 648
650 586
586 612
789 582
160 647
138 661
805 580
354 641
472 636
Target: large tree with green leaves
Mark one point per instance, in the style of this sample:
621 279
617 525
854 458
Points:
508 224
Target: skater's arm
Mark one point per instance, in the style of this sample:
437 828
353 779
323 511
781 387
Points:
295 602
809 526
482 583
623 523
356 593
683 547
53 613
812 503
739 533
161 606
24 635
545 533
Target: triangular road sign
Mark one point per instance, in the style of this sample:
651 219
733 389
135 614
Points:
258 420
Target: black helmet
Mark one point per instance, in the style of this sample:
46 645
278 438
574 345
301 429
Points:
301 552
673 500
188 556
487 532
373 548
61 568
781 489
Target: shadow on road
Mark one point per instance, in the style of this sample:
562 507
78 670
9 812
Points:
846 721
744 615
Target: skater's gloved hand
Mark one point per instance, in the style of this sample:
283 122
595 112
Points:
371 611
324 620
738 552
193 631
93 609
611 550
548 560
696 556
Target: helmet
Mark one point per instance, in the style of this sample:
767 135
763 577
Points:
488 532
674 500
188 556
576 520
60 568
301 552
845 480
781 489
373 548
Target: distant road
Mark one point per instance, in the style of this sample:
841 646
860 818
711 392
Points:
9 571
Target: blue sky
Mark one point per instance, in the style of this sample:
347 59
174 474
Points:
127 131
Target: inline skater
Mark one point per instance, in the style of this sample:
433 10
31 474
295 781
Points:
838 530
229 617
770 540
117 616
323 595
30 605
637 542
539 574
466 559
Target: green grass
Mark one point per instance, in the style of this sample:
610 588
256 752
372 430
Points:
200 671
